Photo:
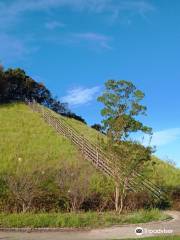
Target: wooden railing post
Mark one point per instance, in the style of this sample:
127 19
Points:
70 133
56 126
97 157
68 130
49 119
82 143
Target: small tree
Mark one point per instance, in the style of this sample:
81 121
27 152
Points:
23 187
129 158
122 104
73 182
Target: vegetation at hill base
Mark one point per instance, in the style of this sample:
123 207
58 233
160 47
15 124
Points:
78 220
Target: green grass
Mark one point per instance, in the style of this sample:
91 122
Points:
91 134
26 138
163 173
166 174
27 141
159 238
77 220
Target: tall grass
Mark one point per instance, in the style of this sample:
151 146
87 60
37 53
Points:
77 220
91 134
159 238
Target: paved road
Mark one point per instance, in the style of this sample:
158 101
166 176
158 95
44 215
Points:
116 232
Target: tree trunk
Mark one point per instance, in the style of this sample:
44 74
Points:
117 197
121 204
24 208
122 198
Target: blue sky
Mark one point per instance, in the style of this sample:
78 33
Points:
74 46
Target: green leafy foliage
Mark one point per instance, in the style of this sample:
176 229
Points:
121 101
122 106
16 85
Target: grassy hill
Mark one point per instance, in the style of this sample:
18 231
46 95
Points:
29 147
26 138
165 173
91 134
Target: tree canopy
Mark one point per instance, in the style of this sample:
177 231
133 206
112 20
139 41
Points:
122 104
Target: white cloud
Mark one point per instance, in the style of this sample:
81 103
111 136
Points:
166 136
51 25
163 137
79 96
89 40
99 40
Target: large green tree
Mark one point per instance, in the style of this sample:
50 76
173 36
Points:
122 107
122 104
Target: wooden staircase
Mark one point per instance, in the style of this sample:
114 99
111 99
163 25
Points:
93 153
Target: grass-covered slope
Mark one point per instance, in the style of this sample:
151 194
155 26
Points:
163 173
25 137
30 146
89 133
40 169
166 174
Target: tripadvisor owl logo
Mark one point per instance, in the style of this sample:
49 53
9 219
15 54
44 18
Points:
139 231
